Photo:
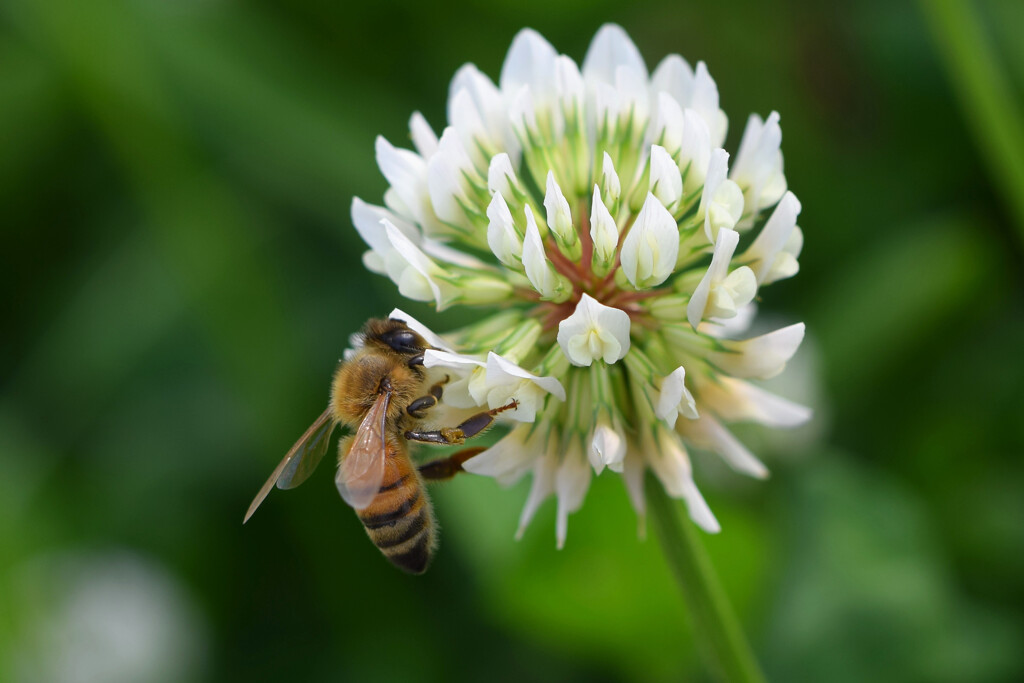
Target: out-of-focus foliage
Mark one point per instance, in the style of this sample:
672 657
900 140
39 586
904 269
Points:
180 277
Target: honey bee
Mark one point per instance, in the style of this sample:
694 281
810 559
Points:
381 391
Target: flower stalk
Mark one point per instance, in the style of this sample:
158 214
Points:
717 630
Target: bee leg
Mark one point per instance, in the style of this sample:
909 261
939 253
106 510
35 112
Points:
470 427
417 407
446 468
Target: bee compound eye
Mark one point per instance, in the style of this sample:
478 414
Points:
403 340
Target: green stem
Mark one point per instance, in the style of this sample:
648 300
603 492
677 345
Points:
985 95
713 620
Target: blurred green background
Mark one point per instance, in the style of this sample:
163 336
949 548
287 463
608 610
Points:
180 276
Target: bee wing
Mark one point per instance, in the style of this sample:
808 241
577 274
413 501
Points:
300 461
362 468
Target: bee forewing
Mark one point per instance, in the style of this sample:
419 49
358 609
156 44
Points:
299 462
362 468
309 451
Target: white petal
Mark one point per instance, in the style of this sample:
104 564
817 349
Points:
530 61
748 149
692 90
773 237
758 167
603 231
607 448
725 245
610 186
401 167
674 398
559 215
568 83
594 331
367 220
406 172
670 462
666 182
726 207
466 120
503 371
732 293
571 483
423 136
443 252
507 460
502 237
412 285
522 113
445 178
543 486
718 168
761 357
631 86
464 392
785 263
694 150
501 177
419 328
704 100
698 508
717 193
420 272
538 269
735 400
462 363
674 77
668 122
650 249
731 328
469 372
487 104
709 433
374 262
610 49
393 201
795 243
605 101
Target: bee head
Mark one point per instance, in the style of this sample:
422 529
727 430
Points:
394 335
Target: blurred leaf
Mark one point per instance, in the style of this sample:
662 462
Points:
33 107
867 596
986 96
86 353
888 300
204 232
1004 19
259 102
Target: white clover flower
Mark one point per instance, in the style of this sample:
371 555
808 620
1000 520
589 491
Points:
721 294
649 251
594 332
675 399
758 167
608 445
595 210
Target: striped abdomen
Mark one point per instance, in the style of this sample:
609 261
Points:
400 520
